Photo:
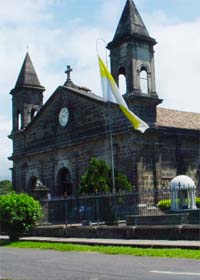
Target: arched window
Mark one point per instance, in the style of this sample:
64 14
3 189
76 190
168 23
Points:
19 120
122 80
143 81
33 113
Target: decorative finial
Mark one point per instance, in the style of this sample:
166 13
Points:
68 71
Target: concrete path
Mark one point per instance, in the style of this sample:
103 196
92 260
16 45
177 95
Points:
117 242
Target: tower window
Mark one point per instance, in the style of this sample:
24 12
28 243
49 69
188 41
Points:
19 120
144 81
122 80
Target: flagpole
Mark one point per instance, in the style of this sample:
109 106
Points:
111 147
109 121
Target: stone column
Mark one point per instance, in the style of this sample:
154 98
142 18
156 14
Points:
193 199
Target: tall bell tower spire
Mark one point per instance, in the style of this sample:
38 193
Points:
130 23
27 95
132 53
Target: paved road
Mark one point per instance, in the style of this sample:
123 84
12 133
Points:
28 264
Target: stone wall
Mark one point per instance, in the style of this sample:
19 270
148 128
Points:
149 160
162 232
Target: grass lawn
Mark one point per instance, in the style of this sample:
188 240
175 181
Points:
134 251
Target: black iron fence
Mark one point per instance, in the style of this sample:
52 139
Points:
104 208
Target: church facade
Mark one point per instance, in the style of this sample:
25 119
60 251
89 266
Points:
53 142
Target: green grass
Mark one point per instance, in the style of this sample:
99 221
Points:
134 251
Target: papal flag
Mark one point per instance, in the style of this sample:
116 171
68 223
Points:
111 92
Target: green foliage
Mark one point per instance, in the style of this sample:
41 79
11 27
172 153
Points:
164 204
19 212
122 183
95 179
98 178
198 202
114 250
5 187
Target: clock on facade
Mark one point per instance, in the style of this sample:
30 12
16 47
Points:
63 116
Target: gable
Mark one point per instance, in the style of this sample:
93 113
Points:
86 119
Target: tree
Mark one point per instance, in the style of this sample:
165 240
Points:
122 183
19 213
5 187
95 179
98 178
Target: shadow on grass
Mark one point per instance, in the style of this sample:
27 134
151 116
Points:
5 243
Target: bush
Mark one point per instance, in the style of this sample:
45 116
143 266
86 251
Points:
122 183
198 202
164 204
18 213
98 178
95 178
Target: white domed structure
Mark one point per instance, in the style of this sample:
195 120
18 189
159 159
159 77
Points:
182 182
182 190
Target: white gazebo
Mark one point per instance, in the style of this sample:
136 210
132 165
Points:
182 189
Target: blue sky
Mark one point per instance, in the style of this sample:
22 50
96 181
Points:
184 10
61 32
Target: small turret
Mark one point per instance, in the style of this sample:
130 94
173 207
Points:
27 95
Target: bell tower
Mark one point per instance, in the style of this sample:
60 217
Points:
132 57
27 96
132 54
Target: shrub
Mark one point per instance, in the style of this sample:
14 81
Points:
164 204
122 183
95 178
98 178
18 213
198 202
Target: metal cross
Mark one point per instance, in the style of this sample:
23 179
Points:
68 71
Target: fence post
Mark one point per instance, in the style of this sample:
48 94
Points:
97 210
66 211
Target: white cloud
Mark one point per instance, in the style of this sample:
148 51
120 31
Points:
25 12
178 64
5 144
111 12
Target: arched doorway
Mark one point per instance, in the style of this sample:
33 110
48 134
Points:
64 186
24 171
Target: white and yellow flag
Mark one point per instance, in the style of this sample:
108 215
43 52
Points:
111 92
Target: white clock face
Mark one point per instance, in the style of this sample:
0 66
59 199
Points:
63 116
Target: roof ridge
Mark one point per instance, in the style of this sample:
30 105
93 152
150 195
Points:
178 110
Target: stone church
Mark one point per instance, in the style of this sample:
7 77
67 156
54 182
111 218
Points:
53 142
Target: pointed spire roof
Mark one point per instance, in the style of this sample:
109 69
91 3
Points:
27 76
131 24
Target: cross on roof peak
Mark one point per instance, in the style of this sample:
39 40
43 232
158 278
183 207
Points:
68 71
